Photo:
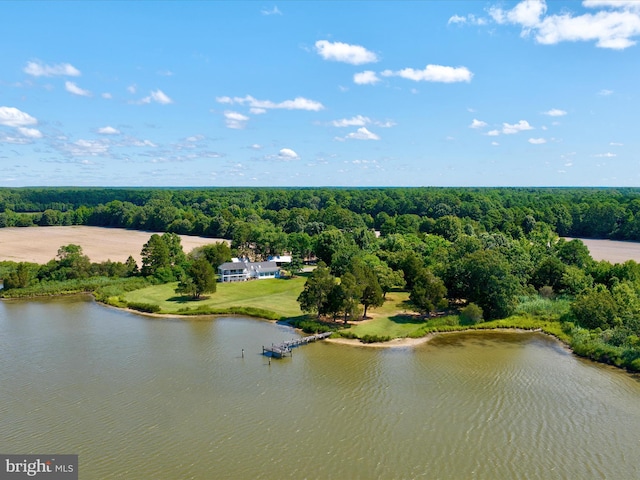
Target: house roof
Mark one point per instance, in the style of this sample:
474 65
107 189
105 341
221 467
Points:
264 266
256 266
232 266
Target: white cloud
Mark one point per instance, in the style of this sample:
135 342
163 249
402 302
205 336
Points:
362 134
4 138
158 96
76 90
132 89
194 138
526 13
367 77
616 144
555 112
609 29
433 73
298 103
256 146
493 133
626 4
606 155
495 144
108 130
457 19
12 117
235 120
107 95
142 143
470 19
257 111
83 148
38 69
605 93
537 141
521 126
357 121
360 121
30 132
614 27
287 154
477 124
343 52
273 11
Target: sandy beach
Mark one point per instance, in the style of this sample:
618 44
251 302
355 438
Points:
395 343
41 244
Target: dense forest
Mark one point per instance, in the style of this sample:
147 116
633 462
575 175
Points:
579 212
480 252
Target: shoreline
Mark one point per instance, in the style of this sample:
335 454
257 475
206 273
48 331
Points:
400 342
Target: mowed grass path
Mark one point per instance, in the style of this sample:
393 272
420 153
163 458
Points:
276 295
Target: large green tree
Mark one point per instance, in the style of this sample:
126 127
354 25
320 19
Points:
21 276
155 255
215 253
484 277
317 288
199 278
428 293
596 308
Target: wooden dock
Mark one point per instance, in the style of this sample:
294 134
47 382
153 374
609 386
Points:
283 349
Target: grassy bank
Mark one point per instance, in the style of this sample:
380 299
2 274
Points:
395 320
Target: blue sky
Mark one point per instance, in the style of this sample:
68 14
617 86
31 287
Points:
431 93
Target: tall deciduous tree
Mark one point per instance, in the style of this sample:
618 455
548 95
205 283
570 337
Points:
20 277
344 298
155 255
73 262
198 279
215 253
314 296
369 288
428 293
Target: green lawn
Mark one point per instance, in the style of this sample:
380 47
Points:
394 318
274 295
277 298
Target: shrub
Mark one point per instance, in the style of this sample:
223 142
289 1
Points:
368 338
472 313
144 307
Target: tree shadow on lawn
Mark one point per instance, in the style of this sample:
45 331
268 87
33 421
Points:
408 319
186 299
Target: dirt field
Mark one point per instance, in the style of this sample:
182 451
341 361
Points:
612 251
41 244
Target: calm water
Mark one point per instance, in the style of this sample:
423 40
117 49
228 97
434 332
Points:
142 398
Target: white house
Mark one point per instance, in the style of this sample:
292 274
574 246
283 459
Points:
242 270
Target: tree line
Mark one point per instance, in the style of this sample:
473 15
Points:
225 212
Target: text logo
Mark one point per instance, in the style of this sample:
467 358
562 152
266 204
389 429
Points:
45 467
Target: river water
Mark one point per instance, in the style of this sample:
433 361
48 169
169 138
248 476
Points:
142 398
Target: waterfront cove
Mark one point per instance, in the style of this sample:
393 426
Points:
142 397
